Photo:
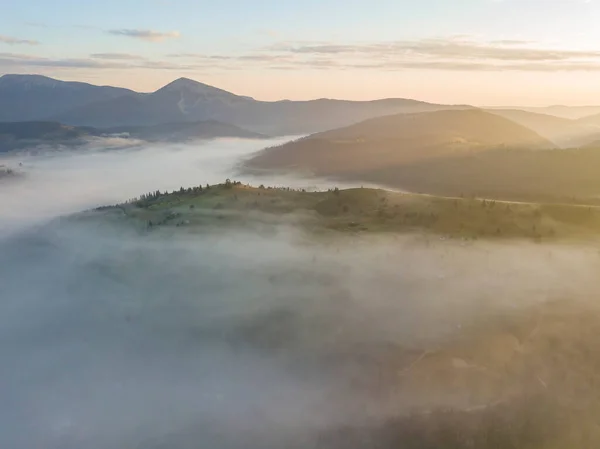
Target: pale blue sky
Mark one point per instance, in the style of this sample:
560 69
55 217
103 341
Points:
458 51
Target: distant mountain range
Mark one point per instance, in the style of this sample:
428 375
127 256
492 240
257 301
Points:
38 98
20 135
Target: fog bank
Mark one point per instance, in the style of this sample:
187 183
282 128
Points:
68 181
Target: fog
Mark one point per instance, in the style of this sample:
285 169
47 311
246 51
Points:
225 339
107 172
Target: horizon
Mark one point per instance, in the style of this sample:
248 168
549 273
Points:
500 106
478 52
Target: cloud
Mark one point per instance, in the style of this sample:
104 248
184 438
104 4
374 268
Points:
452 53
116 56
459 52
200 56
14 41
440 48
455 53
10 61
146 35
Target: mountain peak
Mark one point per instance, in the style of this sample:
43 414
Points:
187 83
191 86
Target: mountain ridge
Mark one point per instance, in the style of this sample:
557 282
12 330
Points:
183 99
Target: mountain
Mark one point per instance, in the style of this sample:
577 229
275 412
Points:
179 101
21 135
590 120
447 153
306 117
568 112
35 97
188 100
399 139
565 133
31 97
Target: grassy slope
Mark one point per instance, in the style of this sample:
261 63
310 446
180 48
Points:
362 210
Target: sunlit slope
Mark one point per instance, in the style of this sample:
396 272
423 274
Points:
400 139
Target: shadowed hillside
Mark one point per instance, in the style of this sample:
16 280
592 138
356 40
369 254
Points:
184 131
22 135
563 176
36 97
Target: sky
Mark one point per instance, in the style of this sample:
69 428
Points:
482 52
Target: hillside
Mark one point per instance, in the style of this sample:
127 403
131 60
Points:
359 210
36 97
494 158
21 135
558 176
399 139
184 131
563 132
